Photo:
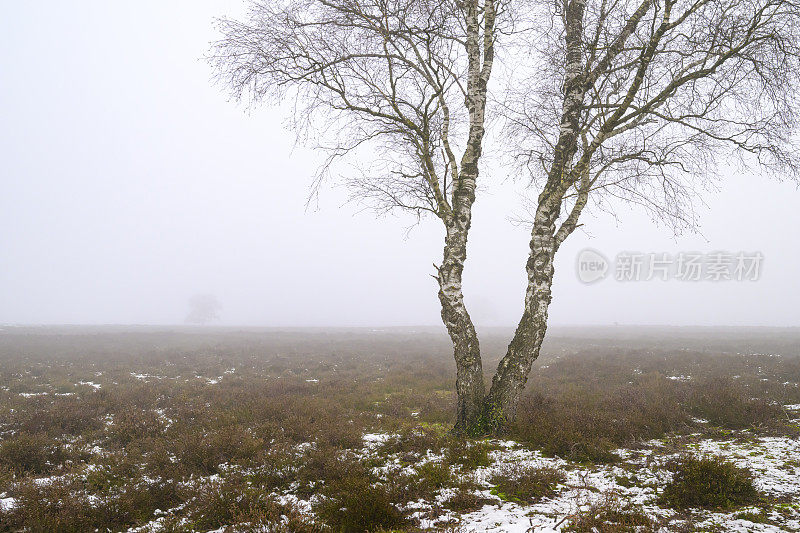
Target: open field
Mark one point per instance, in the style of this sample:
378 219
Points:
621 429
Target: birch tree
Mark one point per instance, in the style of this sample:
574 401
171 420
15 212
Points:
400 87
631 99
640 100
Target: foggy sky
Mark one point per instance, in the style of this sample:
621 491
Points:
129 183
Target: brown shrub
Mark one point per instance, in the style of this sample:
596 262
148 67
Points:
526 483
232 502
356 503
708 482
34 453
611 516
727 404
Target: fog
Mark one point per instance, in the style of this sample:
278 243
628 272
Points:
130 183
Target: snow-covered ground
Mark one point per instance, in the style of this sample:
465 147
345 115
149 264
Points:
774 461
636 479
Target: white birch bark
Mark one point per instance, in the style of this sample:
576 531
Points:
466 349
513 369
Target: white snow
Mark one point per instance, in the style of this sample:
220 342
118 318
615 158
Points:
6 504
374 440
773 461
145 377
680 378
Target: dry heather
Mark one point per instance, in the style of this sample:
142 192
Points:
196 430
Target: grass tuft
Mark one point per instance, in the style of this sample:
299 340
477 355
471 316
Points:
709 483
527 484
610 516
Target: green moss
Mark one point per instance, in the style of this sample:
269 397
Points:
758 517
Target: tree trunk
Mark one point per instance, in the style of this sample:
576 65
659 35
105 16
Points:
466 349
512 372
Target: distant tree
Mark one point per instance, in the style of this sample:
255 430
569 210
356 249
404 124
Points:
203 308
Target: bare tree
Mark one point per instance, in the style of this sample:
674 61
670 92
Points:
633 99
639 100
203 308
404 84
